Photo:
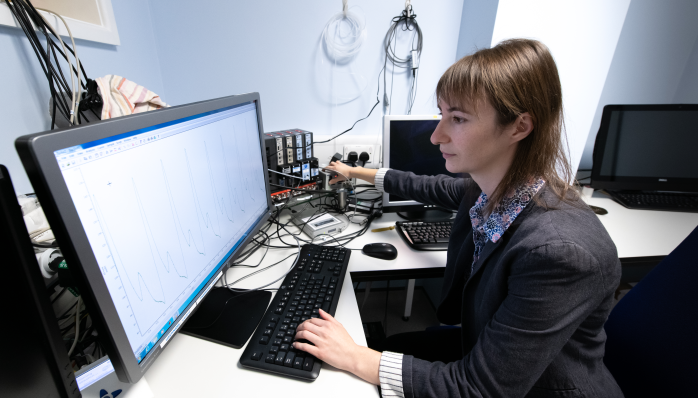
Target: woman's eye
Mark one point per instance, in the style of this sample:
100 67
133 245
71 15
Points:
458 119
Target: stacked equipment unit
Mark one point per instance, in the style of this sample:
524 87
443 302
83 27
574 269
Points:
291 152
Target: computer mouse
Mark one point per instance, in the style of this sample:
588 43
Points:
384 251
598 210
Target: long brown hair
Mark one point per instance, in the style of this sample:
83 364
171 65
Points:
517 76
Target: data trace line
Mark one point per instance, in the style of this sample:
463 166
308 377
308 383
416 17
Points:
260 181
175 217
221 205
150 236
227 177
246 183
206 218
139 276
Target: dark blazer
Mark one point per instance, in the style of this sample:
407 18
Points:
533 310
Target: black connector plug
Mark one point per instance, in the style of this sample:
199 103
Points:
352 157
363 158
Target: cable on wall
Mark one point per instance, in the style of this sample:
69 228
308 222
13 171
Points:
407 21
342 46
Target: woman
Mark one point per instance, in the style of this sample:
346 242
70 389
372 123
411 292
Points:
530 273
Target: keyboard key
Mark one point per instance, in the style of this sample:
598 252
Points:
288 362
308 364
270 358
288 339
280 358
284 347
274 349
298 362
256 356
264 340
276 342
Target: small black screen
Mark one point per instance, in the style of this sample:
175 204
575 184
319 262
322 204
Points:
411 149
646 143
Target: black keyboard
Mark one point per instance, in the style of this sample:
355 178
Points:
314 283
657 201
425 235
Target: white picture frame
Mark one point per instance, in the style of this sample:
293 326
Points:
106 32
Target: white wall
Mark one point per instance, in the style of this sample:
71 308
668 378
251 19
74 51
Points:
656 60
582 37
25 92
476 26
273 47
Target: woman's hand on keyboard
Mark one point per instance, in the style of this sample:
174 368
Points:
333 345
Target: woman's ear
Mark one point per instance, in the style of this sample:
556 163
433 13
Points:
523 127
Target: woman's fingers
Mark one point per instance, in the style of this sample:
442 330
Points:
307 335
310 327
309 348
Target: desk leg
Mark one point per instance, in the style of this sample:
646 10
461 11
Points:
408 300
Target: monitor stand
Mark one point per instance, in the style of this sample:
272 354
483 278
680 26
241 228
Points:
227 317
426 215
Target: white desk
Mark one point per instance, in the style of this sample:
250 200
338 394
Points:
643 233
191 367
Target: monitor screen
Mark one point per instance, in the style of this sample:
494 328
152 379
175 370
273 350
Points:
161 210
651 144
407 141
647 144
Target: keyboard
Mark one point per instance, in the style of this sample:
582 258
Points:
657 201
315 282
425 235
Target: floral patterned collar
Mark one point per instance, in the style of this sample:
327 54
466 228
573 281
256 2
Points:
502 217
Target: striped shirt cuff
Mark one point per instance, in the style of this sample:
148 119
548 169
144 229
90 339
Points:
380 176
390 374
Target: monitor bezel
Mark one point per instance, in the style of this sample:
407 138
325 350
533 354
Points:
615 183
404 205
37 154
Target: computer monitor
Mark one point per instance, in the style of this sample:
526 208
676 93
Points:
34 357
149 211
407 146
647 147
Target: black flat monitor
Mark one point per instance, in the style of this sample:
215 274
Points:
34 356
407 147
149 211
647 148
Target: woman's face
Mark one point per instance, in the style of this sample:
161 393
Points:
473 142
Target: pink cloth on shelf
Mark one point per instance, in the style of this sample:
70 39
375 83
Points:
123 97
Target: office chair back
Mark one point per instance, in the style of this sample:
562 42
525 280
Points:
652 346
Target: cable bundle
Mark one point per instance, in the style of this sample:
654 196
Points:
349 44
30 20
408 21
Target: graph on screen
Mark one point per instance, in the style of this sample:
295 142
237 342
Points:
162 209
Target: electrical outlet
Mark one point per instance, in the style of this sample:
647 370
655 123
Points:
370 149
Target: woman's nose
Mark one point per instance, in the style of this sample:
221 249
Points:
438 136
